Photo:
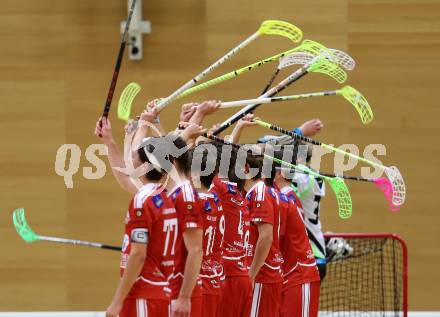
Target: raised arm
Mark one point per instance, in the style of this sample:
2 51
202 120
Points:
204 109
243 123
149 124
311 127
115 157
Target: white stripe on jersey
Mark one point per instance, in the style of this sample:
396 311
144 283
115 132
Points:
143 193
181 185
287 273
256 299
188 193
143 279
272 267
307 264
206 195
233 257
259 189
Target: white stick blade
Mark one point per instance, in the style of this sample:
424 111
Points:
399 188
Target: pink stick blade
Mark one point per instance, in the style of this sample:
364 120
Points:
386 188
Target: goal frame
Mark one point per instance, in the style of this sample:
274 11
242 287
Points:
404 256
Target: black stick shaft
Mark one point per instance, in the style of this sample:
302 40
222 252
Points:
275 74
118 63
250 109
111 247
355 178
294 135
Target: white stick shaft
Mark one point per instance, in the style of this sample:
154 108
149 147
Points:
166 101
244 102
70 241
270 92
287 81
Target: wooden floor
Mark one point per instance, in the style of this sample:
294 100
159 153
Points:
56 60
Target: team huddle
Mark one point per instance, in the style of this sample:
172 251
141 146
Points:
227 238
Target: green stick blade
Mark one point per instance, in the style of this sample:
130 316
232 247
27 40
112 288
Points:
126 100
309 46
282 28
359 102
22 227
345 207
324 66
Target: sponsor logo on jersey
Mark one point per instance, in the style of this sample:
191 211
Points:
207 207
231 189
272 192
216 199
158 201
139 212
189 207
284 198
292 196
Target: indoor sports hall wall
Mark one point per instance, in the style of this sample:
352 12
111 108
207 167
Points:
56 60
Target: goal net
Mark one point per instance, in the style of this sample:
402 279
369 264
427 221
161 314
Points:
369 278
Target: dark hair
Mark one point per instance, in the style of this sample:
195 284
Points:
153 174
222 154
182 159
255 161
207 159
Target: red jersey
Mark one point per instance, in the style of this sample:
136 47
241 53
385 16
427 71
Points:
263 205
211 272
293 196
151 214
236 234
299 265
189 216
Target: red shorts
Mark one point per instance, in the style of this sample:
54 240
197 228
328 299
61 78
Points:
196 306
236 297
141 307
210 304
301 300
266 300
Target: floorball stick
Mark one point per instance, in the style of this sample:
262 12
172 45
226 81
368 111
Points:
382 183
306 45
392 172
338 185
306 55
353 96
114 80
318 64
268 27
126 100
28 235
